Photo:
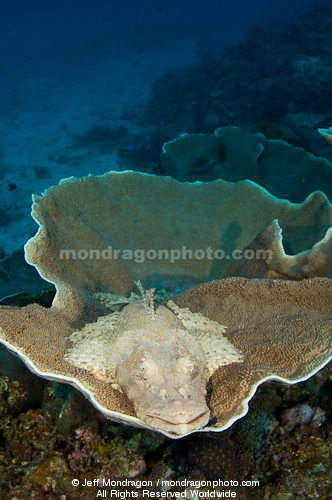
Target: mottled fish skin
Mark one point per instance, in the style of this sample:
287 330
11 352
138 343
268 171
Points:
161 368
160 357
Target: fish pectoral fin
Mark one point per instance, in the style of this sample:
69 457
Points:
219 351
196 320
91 355
92 347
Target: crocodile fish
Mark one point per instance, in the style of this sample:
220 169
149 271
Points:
160 357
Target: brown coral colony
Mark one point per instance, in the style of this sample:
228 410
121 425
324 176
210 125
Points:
193 362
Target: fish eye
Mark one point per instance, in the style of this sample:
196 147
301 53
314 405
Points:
148 368
185 365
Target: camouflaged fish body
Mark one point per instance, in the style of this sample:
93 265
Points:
161 359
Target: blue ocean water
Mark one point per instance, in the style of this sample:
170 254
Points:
69 32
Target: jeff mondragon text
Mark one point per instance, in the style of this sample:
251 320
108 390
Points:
168 484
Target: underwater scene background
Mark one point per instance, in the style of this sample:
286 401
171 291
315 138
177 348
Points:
92 87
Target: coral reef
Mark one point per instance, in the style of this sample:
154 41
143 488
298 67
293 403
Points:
102 137
285 440
215 459
233 154
11 399
327 134
39 459
275 330
279 265
108 253
72 217
280 73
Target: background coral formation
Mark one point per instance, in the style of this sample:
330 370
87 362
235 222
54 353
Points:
278 74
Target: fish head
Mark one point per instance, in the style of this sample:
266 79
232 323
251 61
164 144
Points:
163 373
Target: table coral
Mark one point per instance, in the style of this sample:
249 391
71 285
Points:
327 134
233 154
146 212
137 214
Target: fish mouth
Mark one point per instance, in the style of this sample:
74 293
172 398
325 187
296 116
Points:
179 423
